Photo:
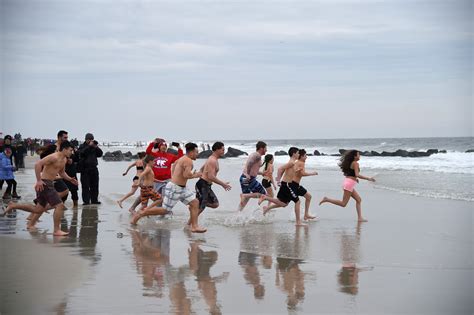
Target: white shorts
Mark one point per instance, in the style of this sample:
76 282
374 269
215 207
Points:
174 193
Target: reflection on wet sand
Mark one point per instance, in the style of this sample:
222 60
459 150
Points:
151 253
348 276
248 262
289 277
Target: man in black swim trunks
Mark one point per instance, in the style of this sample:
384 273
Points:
204 193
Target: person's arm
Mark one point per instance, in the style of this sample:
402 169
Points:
64 175
188 172
304 173
281 171
211 170
174 158
129 167
38 168
272 180
358 175
98 151
149 149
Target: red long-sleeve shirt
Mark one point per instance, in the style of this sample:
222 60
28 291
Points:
162 162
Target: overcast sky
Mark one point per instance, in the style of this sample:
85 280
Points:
134 70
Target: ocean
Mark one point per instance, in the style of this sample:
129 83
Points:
444 175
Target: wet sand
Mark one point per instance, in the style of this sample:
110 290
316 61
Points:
413 256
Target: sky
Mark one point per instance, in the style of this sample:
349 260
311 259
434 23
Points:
209 70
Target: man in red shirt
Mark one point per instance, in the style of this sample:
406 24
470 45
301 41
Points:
163 161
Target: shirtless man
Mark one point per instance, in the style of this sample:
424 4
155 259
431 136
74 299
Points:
300 171
46 171
251 188
288 188
204 193
176 189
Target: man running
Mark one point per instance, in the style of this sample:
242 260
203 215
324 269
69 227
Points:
251 188
288 188
300 171
204 193
46 171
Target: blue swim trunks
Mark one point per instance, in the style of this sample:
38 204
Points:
251 185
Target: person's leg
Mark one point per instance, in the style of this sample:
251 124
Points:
297 214
57 215
135 204
8 191
307 203
85 185
269 194
340 203
358 201
94 186
131 193
194 213
152 210
275 203
14 193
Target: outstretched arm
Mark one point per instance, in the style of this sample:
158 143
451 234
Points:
129 167
211 171
358 175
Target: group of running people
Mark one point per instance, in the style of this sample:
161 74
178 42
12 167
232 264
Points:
162 178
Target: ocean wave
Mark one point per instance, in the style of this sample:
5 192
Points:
429 194
455 163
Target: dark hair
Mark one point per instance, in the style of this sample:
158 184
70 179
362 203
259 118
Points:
217 146
141 155
7 137
148 158
302 152
61 133
190 146
46 150
65 145
267 160
292 151
260 145
346 160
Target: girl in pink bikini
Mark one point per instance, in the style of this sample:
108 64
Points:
350 167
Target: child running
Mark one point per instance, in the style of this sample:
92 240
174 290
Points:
349 164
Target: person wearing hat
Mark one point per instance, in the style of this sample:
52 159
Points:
89 151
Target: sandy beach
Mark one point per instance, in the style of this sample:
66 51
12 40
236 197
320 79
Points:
414 255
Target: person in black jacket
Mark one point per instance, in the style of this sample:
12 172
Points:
89 151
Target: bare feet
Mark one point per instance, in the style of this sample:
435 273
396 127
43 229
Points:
261 199
31 228
300 224
323 201
135 219
60 233
198 230
362 220
308 217
8 209
120 204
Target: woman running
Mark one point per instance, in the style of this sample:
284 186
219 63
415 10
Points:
140 167
268 180
350 167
